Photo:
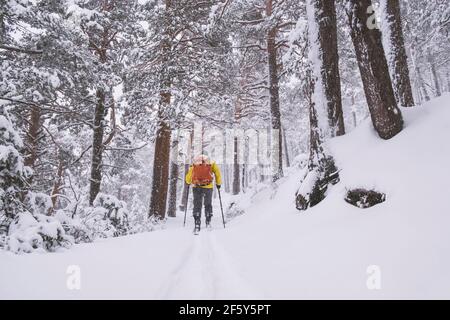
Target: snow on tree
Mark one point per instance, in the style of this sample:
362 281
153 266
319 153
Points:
325 107
323 41
260 33
13 173
426 38
109 216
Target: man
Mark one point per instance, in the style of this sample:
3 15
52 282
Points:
200 175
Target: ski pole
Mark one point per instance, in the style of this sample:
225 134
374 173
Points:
221 209
186 205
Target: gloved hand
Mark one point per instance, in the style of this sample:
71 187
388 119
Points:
218 186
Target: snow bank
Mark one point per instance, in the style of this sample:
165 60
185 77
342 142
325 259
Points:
327 251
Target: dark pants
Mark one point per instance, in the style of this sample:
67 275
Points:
202 195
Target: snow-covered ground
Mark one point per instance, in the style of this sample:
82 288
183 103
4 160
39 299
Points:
274 251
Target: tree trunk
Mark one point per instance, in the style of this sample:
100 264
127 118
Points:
325 14
286 153
321 167
386 116
247 176
423 88
448 82
421 85
97 146
161 158
236 173
160 168
355 123
226 179
261 173
437 87
244 177
394 46
174 169
274 95
58 182
315 139
34 130
184 194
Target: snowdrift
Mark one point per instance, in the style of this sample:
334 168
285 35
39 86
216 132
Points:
332 250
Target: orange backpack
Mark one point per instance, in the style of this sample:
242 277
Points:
201 174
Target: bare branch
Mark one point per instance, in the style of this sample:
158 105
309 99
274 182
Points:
21 50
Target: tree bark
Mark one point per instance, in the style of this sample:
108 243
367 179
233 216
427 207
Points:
2 23
236 173
58 182
325 13
423 88
286 153
322 170
158 202
174 170
226 179
448 82
244 177
437 86
386 116
355 123
421 85
274 95
34 130
185 193
97 146
161 167
315 140
396 53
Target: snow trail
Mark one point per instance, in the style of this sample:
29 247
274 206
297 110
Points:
205 271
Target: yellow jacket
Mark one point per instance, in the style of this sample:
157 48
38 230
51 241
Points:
214 168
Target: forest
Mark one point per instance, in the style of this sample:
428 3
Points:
105 103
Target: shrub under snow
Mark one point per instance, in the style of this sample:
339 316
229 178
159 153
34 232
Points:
30 233
108 217
24 222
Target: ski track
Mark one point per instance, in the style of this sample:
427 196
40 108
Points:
205 271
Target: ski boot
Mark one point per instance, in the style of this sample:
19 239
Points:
197 225
208 222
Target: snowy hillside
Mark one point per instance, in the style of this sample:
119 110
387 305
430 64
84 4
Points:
274 251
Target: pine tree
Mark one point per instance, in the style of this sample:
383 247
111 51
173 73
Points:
274 95
386 116
426 37
163 135
13 173
322 170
